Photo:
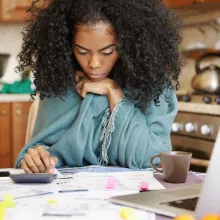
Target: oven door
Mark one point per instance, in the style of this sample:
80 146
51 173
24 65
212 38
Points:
201 150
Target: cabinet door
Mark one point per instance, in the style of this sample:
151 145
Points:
16 10
5 135
20 112
215 1
182 3
177 3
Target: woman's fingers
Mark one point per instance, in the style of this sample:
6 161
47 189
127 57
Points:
79 75
45 158
80 85
37 160
30 163
53 161
25 167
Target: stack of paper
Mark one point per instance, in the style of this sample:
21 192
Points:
75 196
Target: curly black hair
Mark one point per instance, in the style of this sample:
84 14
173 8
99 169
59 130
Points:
148 34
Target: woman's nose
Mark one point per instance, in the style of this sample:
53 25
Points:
95 62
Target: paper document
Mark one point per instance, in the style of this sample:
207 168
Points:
76 196
132 180
22 190
59 174
99 169
68 209
92 210
124 180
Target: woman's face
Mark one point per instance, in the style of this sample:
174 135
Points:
95 49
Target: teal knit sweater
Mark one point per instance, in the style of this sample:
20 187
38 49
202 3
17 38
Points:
81 132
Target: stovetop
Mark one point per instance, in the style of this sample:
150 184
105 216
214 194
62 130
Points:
203 98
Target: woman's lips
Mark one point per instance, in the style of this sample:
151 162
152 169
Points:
95 75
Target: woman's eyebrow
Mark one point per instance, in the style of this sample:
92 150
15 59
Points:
104 48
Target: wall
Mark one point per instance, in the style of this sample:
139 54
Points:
10 43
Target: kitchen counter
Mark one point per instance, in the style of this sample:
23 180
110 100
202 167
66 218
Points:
15 98
183 106
199 108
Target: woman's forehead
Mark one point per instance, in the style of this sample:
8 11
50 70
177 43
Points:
99 33
97 27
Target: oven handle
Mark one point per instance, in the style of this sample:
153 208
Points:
199 162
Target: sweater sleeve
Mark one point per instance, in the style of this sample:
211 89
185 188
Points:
138 136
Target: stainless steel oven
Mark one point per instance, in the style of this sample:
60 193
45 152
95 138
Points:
196 132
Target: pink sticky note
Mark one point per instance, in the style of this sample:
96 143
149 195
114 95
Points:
111 182
144 186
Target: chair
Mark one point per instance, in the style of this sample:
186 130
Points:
31 120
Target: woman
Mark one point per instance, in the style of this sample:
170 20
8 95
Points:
104 71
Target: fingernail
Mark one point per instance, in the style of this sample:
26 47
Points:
51 171
52 162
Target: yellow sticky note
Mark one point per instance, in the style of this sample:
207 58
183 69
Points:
51 201
128 214
8 201
2 210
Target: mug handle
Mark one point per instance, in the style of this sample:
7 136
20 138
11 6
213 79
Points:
153 166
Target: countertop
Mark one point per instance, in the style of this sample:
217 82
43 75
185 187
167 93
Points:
15 98
194 107
210 109
183 106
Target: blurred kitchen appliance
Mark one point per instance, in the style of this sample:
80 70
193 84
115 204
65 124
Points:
207 79
196 132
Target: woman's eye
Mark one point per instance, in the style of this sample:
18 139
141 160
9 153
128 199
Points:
107 53
82 52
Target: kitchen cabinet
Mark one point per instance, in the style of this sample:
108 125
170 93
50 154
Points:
13 124
182 3
179 3
197 53
19 112
5 135
16 10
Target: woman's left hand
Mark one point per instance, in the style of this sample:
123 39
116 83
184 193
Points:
85 85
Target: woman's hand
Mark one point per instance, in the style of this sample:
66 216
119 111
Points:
38 160
105 86
85 85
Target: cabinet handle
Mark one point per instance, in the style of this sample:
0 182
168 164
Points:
4 112
18 112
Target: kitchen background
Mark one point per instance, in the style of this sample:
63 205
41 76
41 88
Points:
195 127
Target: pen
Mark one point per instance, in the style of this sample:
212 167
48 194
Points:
73 190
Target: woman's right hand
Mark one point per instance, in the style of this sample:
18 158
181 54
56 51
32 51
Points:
38 160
